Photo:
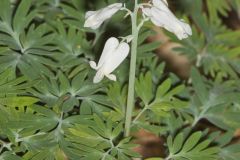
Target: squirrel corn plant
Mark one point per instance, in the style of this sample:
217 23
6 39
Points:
79 80
114 53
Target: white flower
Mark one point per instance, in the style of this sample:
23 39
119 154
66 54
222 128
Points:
94 19
112 56
161 16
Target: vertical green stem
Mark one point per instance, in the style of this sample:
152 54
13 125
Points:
130 98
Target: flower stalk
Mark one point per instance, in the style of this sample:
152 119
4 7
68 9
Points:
132 72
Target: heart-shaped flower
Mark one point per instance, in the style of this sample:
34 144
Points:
112 56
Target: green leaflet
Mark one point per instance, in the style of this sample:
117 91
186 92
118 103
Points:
190 147
210 101
102 136
18 101
51 110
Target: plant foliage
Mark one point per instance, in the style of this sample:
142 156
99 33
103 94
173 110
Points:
51 110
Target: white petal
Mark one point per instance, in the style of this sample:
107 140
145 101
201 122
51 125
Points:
98 77
186 27
116 58
161 4
111 44
109 11
93 65
92 21
90 13
95 18
161 18
184 30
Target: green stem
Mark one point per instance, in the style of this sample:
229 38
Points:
130 98
200 116
139 114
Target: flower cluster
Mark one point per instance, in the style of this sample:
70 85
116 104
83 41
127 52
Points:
114 52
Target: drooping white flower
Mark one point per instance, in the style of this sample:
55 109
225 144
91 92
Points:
161 16
94 19
112 56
